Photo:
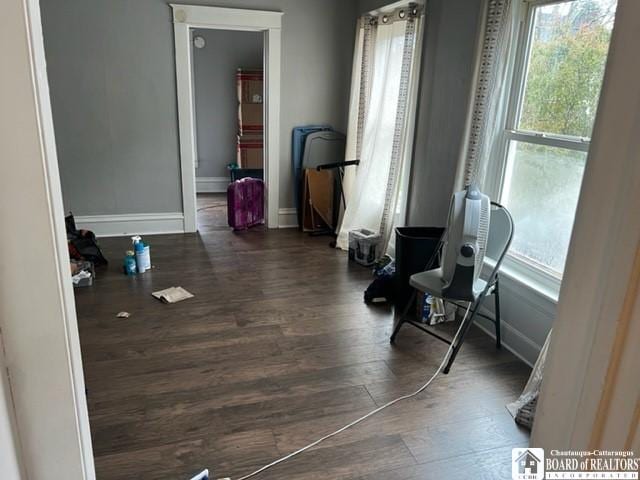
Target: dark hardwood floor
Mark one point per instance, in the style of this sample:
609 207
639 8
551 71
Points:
276 349
212 212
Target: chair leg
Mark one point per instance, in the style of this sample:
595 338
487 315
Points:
496 298
403 317
464 329
396 330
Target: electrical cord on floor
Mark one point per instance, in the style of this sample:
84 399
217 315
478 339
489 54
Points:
370 414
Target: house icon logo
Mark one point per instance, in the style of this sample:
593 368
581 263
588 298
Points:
527 463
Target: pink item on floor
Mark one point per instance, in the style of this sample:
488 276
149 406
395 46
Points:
245 203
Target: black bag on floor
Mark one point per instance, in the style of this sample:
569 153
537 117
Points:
83 244
381 290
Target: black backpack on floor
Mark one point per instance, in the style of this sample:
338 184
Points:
83 244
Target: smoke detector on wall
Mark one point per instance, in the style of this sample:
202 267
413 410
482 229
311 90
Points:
199 42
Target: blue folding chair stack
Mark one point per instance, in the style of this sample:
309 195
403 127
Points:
298 139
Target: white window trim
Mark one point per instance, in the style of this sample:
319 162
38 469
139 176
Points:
525 271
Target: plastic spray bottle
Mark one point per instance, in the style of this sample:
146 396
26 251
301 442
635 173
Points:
143 254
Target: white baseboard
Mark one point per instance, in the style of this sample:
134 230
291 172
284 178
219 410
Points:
132 224
212 184
527 316
288 218
511 339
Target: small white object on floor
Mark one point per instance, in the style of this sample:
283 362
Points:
204 475
123 315
81 275
172 295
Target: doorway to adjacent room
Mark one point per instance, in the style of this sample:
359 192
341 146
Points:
198 132
229 110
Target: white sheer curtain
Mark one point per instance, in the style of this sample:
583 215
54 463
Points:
359 95
486 115
380 125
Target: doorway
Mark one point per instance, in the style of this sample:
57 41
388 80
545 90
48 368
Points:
228 89
188 18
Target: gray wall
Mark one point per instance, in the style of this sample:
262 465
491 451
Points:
448 63
113 98
216 100
112 77
365 6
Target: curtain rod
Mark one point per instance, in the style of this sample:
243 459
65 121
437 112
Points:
404 11
394 6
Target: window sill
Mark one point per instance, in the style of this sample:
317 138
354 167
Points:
522 274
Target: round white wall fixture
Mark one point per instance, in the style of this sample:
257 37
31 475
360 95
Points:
199 42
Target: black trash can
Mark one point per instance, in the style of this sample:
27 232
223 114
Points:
414 248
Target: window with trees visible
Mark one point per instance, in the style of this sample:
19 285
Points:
557 76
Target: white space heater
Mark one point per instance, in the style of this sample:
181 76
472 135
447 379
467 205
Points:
465 244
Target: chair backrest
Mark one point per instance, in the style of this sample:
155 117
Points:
323 147
501 231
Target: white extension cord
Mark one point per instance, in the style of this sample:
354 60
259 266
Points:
370 414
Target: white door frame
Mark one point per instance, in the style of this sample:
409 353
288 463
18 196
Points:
186 17
40 341
590 392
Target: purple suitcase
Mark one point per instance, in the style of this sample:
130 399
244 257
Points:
245 203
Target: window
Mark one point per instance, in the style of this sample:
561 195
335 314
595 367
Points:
557 75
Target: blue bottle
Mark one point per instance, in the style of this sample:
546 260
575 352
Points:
130 267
